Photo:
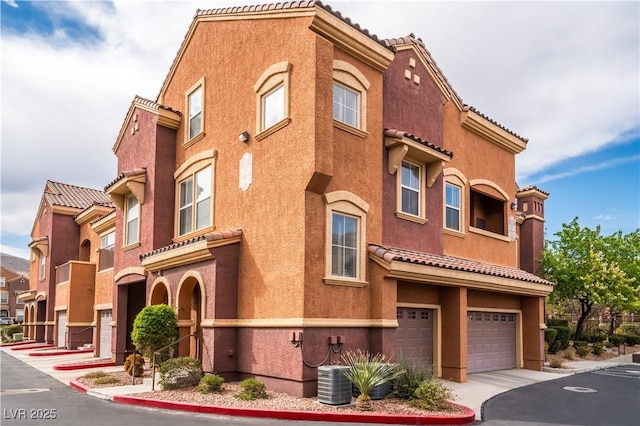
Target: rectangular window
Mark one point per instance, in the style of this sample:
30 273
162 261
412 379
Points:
346 105
132 220
4 297
19 315
487 213
195 202
2 281
195 112
41 268
18 300
452 203
273 107
107 247
410 188
344 246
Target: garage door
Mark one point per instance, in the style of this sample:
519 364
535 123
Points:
491 341
105 334
415 335
62 328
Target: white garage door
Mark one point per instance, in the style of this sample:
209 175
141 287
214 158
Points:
105 334
491 341
414 336
62 328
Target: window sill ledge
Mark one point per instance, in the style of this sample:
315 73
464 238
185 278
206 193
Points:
411 218
344 282
271 130
194 139
454 233
194 234
350 129
131 246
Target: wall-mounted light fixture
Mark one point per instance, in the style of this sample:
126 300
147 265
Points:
243 137
513 206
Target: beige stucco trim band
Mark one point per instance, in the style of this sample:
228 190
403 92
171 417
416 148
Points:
301 322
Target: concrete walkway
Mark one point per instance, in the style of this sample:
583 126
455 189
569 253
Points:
479 387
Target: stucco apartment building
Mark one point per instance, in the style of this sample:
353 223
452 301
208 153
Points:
327 192
14 279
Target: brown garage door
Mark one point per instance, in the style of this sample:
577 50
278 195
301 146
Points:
415 335
491 341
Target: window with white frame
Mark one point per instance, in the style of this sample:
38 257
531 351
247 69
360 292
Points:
19 315
272 99
452 207
411 188
350 88
4 297
273 107
42 259
195 110
2 281
107 251
346 239
195 204
18 300
132 220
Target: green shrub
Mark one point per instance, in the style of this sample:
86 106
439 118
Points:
553 323
631 340
562 339
154 328
608 344
105 380
177 373
9 330
134 365
583 351
556 362
550 335
95 374
598 337
579 343
431 395
598 348
616 339
251 389
570 353
412 374
630 329
210 383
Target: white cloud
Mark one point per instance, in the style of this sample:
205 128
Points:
11 3
564 74
586 169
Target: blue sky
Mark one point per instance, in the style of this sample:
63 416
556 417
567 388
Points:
563 74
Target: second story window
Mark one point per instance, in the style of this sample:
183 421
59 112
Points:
107 245
346 105
195 202
2 281
411 188
4 297
452 207
273 107
132 220
195 112
41 266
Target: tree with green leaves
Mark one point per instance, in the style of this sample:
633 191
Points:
154 328
593 269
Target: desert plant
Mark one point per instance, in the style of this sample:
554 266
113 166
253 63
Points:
105 380
570 353
583 351
154 328
616 339
366 371
134 365
413 373
251 389
210 383
182 372
432 395
598 348
630 329
95 374
631 340
556 362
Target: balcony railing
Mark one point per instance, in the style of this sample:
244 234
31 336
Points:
105 260
63 273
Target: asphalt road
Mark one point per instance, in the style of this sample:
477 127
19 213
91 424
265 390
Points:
604 398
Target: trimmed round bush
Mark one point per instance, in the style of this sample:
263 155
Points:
550 335
562 339
210 383
632 340
598 348
154 328
251 389
579 343
616 339
583 351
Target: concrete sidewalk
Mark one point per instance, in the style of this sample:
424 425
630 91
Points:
479 387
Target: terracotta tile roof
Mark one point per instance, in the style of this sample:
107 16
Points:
62 194
212 236
532 187
127 173
392 42
13 263
470 108
288 5
153 105
400 134
389 254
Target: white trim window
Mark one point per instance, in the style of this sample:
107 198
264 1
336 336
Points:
273 107
346 105
4 297
2 281
195 206
195 107
411 188
344 245
132 220
452 206
42 259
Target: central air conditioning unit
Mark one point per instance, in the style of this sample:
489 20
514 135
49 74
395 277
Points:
333 386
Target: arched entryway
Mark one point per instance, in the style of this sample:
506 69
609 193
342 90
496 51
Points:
160 293
190 310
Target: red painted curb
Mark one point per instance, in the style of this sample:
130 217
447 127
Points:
77 386
67 367
8 345
65 352
29 347
467 418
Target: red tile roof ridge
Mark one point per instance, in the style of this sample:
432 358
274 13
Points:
151 104
390 254
74 196
211 236
127 173
467 107
532 187
393 133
